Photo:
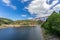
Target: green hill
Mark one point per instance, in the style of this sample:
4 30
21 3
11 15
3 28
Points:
18 22
5 21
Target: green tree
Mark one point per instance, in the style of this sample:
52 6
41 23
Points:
52 24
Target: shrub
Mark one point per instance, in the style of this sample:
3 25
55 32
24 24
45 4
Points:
52 24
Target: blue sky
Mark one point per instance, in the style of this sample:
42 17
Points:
18 13
25 9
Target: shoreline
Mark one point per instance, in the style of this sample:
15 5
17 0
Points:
16 26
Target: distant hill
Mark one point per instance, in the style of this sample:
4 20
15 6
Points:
5 21
18 22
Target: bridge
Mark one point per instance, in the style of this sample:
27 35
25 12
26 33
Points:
41 18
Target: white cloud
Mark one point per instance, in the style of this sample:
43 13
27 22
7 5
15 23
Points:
24 1
30 18
8 3
40 8
23 15
14 7
57 8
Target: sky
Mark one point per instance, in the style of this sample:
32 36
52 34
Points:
28 9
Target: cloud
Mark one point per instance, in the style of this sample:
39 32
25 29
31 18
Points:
23 15
30 18
57 8
24 1
6 2
13 7
9 4
40 8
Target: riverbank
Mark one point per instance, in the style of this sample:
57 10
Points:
48 36
6 26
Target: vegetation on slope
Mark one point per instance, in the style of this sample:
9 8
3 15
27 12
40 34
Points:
5 21
18 22
52 24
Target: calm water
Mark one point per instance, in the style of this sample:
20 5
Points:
23 33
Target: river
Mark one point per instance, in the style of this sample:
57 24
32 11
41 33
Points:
22 33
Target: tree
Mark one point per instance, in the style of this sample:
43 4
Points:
52 24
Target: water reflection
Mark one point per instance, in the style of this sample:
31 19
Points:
15 33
